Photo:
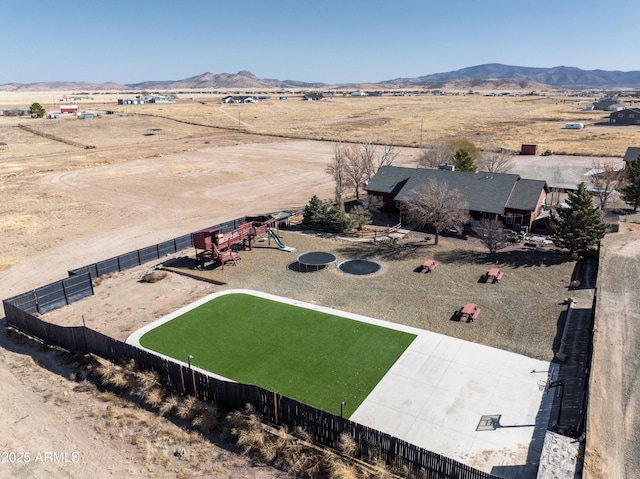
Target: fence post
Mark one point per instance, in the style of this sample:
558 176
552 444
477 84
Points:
275 407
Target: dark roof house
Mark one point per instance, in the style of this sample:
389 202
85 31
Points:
16 111
508 197
313 96
628 116
608 104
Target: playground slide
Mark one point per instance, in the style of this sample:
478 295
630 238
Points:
277 239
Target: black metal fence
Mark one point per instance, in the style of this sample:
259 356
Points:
55 295
134 258
324 427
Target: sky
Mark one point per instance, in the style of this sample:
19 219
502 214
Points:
328 41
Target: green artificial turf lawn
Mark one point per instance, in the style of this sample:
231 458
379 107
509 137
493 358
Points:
316 358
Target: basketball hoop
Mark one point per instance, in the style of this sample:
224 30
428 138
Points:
543 385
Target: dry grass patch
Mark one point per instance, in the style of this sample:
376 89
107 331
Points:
520 314
422 120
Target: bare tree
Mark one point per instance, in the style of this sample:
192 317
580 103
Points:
337 169
438 153
387 155
359 163
557 180
436 205
359 167
605 178
368 151
372 203
496 161
492 234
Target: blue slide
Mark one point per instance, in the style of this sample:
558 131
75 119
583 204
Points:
277 239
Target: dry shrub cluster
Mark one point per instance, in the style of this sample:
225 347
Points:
148 387
293 452
154 276
100 279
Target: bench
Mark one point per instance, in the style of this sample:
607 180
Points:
429 265
498 277
474 315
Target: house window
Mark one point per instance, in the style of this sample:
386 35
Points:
508 220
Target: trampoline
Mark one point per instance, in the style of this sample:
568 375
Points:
359 267
316 259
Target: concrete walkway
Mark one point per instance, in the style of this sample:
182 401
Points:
441 387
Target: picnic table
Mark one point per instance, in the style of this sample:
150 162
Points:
429 265
469 311
494 274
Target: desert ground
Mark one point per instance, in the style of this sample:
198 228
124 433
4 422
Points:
77 191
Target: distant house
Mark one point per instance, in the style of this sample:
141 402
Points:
358 93
608 104
515 201
16 111
131 101
313 97
628 116
239 99
159 99
69 109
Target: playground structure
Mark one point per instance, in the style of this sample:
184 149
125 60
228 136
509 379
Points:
214 246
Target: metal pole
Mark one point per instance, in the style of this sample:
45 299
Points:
189 358
342 403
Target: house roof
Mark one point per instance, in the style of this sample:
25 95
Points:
632 153
625 111
482 191
526 194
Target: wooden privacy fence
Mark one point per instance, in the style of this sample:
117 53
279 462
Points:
324 427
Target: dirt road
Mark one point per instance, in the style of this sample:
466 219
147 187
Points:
613 425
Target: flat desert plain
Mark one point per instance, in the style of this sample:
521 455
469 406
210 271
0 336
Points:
77 191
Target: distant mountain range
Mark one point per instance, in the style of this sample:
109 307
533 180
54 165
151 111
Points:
559 77
493 75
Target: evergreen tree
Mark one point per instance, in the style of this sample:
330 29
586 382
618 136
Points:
463 161
631 192
578 227
465 155
315 213
359 217
37 110
337 219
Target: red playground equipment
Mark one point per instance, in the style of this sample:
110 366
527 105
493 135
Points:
214 246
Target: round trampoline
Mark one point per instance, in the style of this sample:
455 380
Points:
359 267
316 259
